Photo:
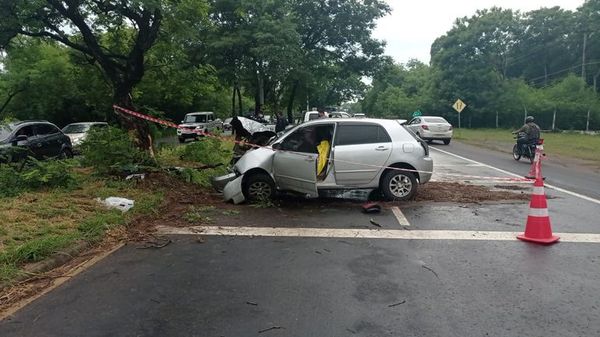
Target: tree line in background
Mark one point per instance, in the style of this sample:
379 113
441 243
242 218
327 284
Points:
71 60
504 65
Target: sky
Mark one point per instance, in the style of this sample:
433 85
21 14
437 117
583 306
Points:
412 26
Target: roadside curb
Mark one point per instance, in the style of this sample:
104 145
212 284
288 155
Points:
54 261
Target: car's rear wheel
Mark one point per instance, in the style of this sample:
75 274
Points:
259 187
399 185
181 140
446 141
516 153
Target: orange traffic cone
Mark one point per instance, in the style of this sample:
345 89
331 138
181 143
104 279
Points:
534 169
538 228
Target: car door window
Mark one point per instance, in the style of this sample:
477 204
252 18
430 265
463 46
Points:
44 130
26 130
306 139
361 134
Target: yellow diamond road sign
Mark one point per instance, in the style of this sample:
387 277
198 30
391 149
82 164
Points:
459 105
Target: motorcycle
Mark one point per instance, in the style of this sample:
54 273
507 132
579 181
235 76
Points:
526 150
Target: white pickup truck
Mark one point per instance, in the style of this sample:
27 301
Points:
195 122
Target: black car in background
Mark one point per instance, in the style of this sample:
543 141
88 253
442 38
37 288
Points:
39 139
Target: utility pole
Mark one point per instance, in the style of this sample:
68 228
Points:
587 123
583 56
554 119
496 119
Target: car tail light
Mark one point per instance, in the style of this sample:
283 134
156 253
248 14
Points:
425 127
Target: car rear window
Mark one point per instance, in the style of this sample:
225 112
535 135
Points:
352 134
434 120
76 128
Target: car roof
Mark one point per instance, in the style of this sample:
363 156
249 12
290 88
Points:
87 123
200 113
29 121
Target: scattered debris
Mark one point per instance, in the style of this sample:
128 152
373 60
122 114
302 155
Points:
431 270
374 223
252 303
318 252
351 331
200 239
157 242
512 187
140 176
269 329
121 204
371 207
396 304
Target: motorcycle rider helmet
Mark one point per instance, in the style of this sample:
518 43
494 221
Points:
529 119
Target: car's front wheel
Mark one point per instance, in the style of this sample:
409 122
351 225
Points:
399 185
259 187
65 154
446 141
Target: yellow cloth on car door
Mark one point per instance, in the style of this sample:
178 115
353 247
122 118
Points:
323 149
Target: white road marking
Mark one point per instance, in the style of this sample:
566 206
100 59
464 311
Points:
396 234
402 220
581 196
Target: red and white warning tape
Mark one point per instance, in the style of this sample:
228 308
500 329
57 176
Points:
206 134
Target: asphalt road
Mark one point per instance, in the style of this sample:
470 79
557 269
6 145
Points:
248 285
559 172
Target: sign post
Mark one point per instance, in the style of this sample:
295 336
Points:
459 106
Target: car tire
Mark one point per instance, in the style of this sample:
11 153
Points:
258 187
446 141
399 185
65 154
181 140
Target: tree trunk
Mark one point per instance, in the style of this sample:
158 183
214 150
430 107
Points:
290 105
239 96
137 126
233 101
596 81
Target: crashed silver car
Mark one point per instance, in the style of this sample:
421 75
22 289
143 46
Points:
332 154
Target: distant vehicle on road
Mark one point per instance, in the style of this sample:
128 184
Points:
197 122
360 115
77 132
431 128
40 139
311 115
333 154
339 114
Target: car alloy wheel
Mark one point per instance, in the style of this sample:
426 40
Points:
259 190
259 187
400 186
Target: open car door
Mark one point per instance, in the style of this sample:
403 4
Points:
295 162
295 171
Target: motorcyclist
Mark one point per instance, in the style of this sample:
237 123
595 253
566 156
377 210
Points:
531 132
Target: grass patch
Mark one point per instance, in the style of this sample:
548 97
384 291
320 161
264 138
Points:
38 224
572 145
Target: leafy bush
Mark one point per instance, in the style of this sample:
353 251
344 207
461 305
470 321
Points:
207 151
34 174
110 151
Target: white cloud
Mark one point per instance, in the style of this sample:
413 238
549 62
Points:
412 26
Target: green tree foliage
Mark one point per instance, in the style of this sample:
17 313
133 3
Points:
503 64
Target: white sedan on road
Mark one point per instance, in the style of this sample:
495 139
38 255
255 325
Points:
431 128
